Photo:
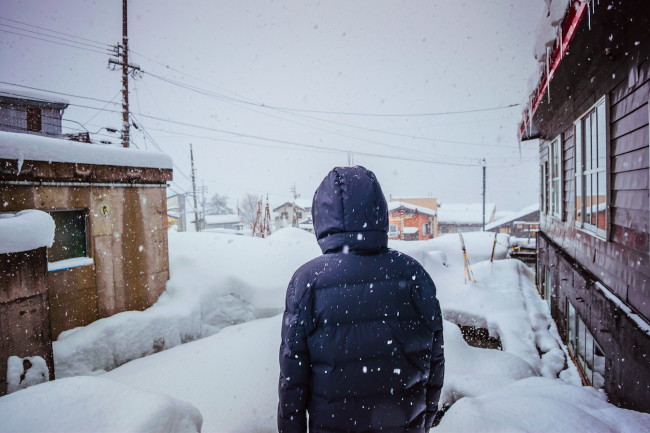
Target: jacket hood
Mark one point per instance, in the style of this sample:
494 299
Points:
349 209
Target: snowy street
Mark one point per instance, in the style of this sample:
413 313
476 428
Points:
230 373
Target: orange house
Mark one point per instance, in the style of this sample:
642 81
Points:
410 222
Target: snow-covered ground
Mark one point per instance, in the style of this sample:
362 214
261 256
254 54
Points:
230 372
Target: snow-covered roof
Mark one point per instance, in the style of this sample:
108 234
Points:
515 215
410 230
222 219
25 231
29 147
393 205
302 204
33 95
467 213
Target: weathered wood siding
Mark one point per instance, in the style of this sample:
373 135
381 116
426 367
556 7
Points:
600 62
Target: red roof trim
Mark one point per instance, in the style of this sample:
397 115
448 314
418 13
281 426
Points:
576 14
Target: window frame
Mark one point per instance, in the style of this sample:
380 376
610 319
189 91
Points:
578 348
86 221
555 195
581 172
544 189
34 115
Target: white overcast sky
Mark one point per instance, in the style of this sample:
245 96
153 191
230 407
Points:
367 57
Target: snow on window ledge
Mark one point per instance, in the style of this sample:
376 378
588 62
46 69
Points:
75 262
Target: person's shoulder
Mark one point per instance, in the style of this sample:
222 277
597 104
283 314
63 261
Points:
410 268
305 275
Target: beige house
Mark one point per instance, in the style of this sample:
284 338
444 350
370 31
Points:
284 212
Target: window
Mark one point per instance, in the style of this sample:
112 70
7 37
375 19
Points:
556 178
33 119
544 173
425 229
548 290
69 235
591 170
588 355
392 230
299 214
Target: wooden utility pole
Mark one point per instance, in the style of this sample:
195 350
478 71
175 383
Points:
484 196
125 78
196 213
123 49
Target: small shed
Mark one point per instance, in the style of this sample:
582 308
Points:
464 217
230 222
109 206
520 224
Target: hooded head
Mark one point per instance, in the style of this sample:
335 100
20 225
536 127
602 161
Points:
349 209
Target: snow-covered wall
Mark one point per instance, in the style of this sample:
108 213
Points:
26 230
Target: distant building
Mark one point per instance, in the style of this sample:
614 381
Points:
307 224
231 222
464 217
285 212
519 224
410 222
29 112
172 210
427 202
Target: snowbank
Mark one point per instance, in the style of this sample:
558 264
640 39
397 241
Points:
28 147
25 231
541 405
25 372
231 377
87 404
217 280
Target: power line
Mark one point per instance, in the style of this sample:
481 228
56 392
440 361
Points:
52 36
56 42
54 31
48 91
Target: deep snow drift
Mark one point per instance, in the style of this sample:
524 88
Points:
88 404
217 280
231 377
25 230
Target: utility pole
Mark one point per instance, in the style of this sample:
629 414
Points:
124 63
196 214
483 195
203 188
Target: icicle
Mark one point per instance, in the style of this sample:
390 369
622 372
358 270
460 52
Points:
561 44
548 76
530 110
589 14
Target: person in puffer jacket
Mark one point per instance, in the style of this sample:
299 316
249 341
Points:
362 347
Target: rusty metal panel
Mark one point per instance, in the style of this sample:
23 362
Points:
103 256
73 309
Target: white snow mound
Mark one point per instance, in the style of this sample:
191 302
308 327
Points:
88 404
26 230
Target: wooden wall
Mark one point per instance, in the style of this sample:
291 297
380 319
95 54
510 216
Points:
622 261
599 63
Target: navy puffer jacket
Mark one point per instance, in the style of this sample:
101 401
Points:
362 347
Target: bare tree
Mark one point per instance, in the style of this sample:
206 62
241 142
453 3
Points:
248 209
218 205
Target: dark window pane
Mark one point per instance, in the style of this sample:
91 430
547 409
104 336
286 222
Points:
602 136
587 199
581 344
587 138
594 198
589 356
594 141
579 202
69 235
599 367
572 328
33 119
602 200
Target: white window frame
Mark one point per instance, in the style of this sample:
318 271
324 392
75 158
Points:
544 181
393 233
581 171
555 179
